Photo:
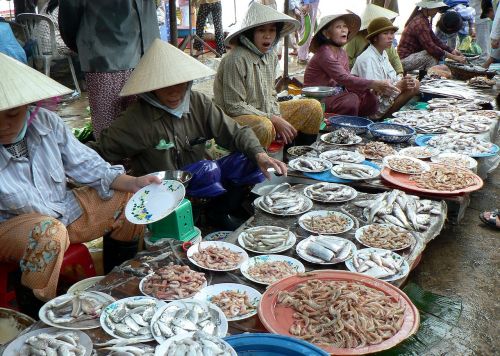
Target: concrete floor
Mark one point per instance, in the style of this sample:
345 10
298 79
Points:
463 261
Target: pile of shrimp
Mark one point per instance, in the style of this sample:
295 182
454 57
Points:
342 314
220 258
270 272
233 303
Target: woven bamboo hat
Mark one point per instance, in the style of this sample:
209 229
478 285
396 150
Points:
163 65
21 85
353 23
431 4
258 15
374 11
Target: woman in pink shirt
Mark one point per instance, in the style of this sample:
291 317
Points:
330 67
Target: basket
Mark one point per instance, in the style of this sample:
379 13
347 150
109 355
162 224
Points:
356 123
392 133
468 71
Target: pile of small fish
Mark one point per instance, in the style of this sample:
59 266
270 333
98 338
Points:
407 165
197 344
418 152
60 343
481 82
330 224
377 264
75 308
410 114
328 249
214 257
456 160
131 318
309 164
174 282
336 156
341 136
298 151
470 126
185 317
329 192
398 208
376 150
265 238
126 347
492 114
431 123
389 237
233 303
342 314
466 144
354 171
445 178
271 271
441 102
452 109
286 203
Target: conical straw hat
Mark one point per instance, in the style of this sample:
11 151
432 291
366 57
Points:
431 4
258 15
21 85
352 20
163 65
372 12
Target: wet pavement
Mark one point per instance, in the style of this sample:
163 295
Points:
463 261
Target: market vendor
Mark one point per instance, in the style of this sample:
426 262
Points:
359 43
166 129
374 64
40 216
419 48
244 84
330 67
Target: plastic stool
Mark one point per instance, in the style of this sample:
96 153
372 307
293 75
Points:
7 297
77 264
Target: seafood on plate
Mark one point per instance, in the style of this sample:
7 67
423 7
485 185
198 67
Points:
492 114
268 272
341 136
326 222
184 317
456 160
410 114
173 282
197 343
297 151
376 150
470 126
325 249
398 208
481 82
266 239
452 109
445 178
58 343
234 303
126 347
79 310
354 171
342 156
310 164
460 143
379 263
330 192
218 258
418 152
386 236
406 165
130 318
288 202
342 313
433 119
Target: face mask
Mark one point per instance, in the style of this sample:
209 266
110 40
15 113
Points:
22 133
178 111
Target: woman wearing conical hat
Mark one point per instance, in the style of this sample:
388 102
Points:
244 84
40 216
359 43
374 64
330 67
419 48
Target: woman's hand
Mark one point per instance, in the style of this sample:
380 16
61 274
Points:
457 57
126 183
265 162
284 128
384 87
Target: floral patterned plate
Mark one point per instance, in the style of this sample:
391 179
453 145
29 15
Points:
154 202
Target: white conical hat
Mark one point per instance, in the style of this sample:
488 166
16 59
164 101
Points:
21 85
373 11
258 15
163 65
431 4
352 20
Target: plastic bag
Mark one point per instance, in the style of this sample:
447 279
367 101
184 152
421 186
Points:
239 170
469 46
206 181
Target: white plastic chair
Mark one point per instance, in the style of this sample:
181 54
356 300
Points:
44 50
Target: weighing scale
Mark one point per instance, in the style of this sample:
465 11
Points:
179 225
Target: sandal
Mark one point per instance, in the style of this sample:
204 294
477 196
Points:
492 220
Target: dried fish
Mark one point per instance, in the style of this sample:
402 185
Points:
341 136
385 236
297 151
376 150
407 165
378 263
330 192
309 164
466 144
445 178
343 314
271 271
331 222
267 239
288 202
234 303
342 156
481 82
418 152
354 171
59 343
198 343
328 249
220 258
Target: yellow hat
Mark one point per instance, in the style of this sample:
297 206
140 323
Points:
21 85
259 15
163 65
